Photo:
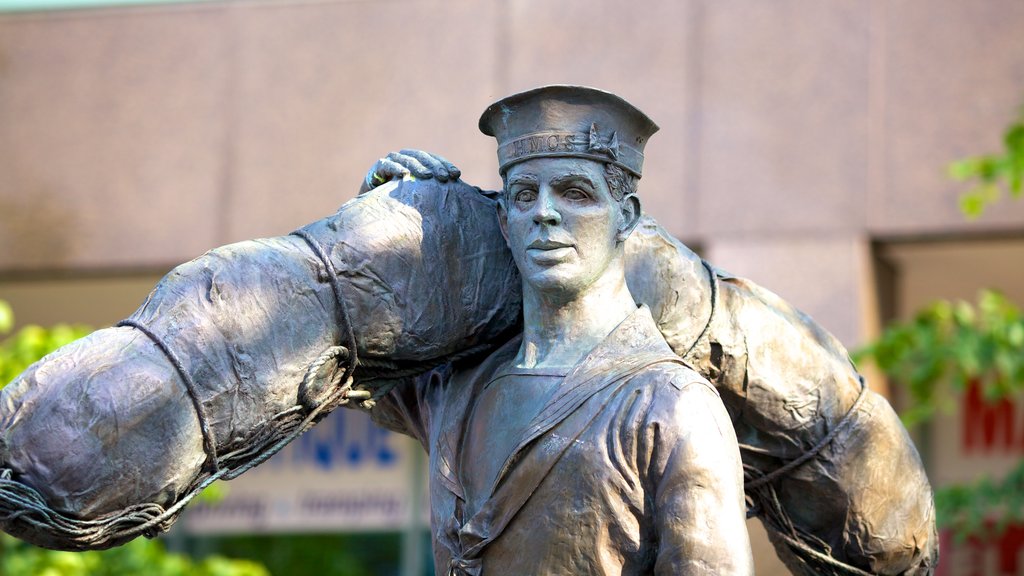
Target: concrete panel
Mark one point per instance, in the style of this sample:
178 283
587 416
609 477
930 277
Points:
825 277
110 133
640 51
954 79
97 302
324 89
784 115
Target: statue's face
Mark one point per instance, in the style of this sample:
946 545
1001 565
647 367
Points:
561 222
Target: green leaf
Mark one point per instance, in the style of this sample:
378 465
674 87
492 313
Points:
6 317
988 168
1005 168
973 203
917 415
1013 139
963 169
213 493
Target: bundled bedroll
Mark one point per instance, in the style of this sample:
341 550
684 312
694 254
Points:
829 469
239 351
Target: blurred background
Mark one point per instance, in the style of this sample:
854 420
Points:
805 145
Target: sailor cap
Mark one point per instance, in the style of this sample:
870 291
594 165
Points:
561 121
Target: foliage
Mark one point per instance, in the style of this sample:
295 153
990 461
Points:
967 508
950 344
140 556
994 172
367 554
946 347
30 343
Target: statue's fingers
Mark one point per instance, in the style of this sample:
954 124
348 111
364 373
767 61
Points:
437 168
411 164
453 171
382 171
386 170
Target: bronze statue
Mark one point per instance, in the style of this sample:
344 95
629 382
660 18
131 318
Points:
409 302
585 445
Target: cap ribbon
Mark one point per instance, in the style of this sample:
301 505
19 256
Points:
556 143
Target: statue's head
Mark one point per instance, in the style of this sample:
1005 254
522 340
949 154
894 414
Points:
570 158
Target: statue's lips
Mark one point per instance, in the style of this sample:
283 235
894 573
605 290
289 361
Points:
548 245
549 251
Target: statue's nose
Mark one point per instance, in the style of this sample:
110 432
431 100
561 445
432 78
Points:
546 212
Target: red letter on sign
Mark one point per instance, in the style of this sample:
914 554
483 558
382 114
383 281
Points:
987 425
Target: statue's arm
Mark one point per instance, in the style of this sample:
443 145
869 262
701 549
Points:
697 483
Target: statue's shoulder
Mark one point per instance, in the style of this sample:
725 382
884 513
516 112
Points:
675 393
675 376
678 401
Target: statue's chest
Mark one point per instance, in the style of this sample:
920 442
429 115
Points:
497 424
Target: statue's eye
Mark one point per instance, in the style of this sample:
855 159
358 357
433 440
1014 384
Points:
575 194
526 195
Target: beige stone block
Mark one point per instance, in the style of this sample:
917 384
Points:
783 116
825 277
110 137
952 83
640 51
96 301
324 89
766 563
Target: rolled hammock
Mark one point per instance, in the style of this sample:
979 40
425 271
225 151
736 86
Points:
239 351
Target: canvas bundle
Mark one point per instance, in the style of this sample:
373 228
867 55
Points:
104 439
106 425
830 471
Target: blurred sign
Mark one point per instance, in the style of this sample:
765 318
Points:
346 474
997 556
980 438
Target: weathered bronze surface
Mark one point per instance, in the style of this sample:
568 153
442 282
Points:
541 433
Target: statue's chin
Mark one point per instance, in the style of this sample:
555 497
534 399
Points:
561 272
558 280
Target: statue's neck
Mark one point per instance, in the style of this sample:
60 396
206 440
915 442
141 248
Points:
560 329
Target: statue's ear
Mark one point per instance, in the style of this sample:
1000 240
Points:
629 216
503 217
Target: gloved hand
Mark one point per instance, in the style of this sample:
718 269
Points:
408 162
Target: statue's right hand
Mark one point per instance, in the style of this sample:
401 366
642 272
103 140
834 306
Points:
408 162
